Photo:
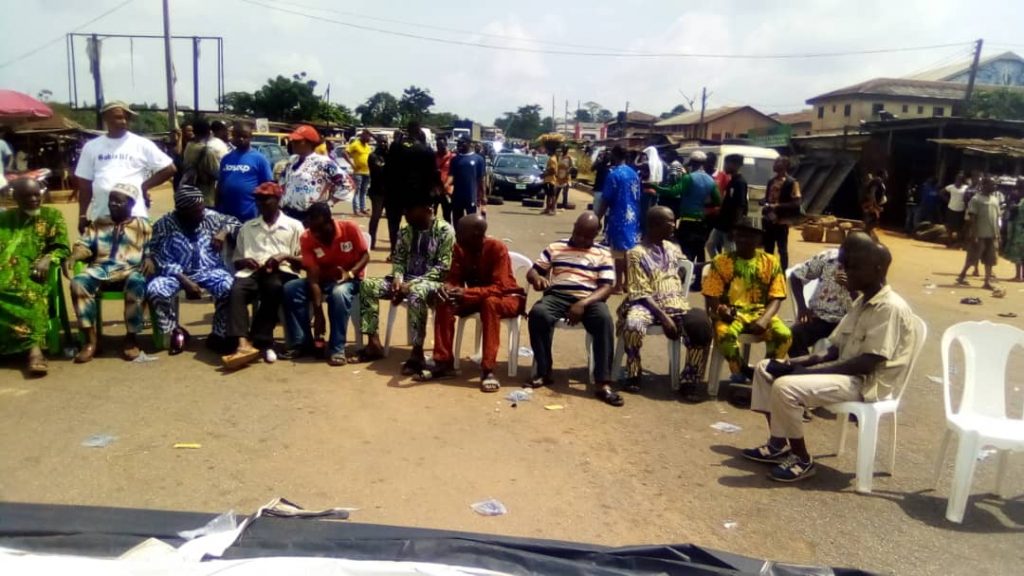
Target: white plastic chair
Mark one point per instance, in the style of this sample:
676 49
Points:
870 413
520 266
675 347
809 287
982 419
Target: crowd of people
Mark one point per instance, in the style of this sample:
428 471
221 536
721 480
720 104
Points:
276 246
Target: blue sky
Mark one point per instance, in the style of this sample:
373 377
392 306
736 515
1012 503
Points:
482 83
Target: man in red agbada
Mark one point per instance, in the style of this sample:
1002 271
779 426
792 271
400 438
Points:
479 281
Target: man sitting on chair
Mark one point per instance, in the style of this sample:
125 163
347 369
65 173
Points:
423 255
655 295
187 250
576 277
819 317
117 249
480 281
743 292
870 351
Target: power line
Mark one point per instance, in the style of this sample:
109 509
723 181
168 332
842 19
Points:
610 54
61 37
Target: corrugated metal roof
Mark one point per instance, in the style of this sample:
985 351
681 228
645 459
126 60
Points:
801 117
953 70
1003 146
693 116
899 87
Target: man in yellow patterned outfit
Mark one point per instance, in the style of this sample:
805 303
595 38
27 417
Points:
743 292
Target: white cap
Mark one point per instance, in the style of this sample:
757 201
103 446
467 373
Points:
698 156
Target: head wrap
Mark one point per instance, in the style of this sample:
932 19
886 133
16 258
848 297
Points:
188 197
130 190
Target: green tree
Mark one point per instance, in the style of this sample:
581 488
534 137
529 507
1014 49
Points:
440 119
678 109
381 109
150 118
1000 104
603 115
286 99
583 115
525 122
415 104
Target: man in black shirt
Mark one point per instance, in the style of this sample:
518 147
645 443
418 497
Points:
734 207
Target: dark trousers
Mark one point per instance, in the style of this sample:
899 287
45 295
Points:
376 210
777 235
692 235
459 209
597 320
394 216
445 202
264 289
805 335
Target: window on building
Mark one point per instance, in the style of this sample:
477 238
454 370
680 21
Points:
728 135
938 111
906 108
847 110
877 107
920 109
833 108
821 112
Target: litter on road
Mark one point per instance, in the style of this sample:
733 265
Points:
98 441
489 507
726 427
188 445
554 407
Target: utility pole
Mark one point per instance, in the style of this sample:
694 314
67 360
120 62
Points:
553 112
195 77
97 79
703 103
565 119
974 72
172 114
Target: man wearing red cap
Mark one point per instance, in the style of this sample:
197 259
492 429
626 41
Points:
266 257
309 177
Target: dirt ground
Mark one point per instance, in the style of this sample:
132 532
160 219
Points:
418 455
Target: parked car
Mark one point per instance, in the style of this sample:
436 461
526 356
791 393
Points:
516 176
274 153
542 161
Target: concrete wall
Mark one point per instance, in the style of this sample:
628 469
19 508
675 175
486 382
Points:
834 117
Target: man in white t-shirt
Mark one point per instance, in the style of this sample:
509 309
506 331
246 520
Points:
118 157
955 209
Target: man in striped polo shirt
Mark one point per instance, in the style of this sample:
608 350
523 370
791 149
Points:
576 277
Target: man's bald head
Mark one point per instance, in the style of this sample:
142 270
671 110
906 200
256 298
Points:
470 232
585 230
865 259
661 223
28 194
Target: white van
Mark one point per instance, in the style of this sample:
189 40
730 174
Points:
758 166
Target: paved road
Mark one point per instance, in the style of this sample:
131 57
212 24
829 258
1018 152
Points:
652 471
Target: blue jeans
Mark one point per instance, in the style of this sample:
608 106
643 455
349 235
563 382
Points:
362 187
339 299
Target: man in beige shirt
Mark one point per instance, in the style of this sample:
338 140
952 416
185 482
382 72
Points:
870 351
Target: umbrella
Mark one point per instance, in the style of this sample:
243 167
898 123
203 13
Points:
15 105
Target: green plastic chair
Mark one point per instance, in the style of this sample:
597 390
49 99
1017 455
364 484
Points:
160 340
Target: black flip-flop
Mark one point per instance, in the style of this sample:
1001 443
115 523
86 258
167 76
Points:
411 367
539 382
429 374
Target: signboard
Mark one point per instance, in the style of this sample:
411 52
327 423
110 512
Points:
262 125
773 137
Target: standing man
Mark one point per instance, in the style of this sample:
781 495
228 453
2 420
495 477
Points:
358 154
576 276
187 250
873 199
655 296
423 256
742 293
550 188
201 160
480 282
696 195
781 207
466 181
118 157
829 303
620 200
982 229
266 259
378 188
116 247
443 156
220 132
241 171
956 209
334 255
564 175
734 207
870 352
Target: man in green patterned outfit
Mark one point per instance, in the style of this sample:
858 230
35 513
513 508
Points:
423 255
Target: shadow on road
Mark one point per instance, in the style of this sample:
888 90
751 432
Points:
986 513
